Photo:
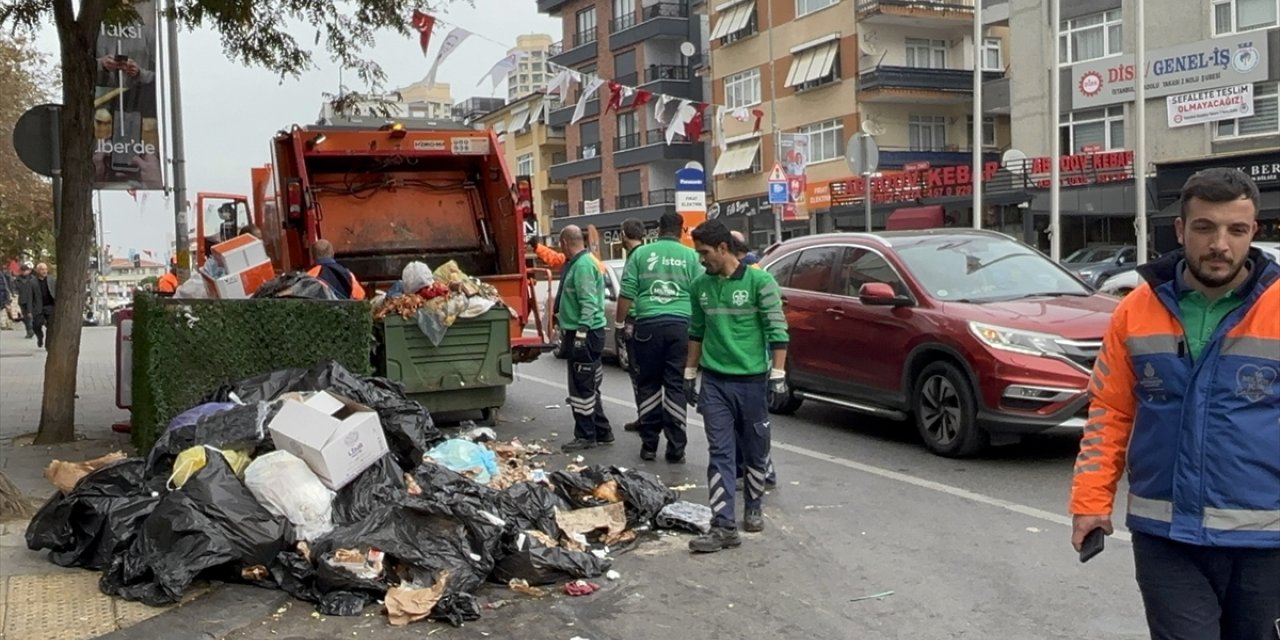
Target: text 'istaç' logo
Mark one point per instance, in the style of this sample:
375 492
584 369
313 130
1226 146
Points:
1253 383
1152 383
1244 60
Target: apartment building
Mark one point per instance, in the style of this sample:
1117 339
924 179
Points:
433 102
530 74
619 165
900 70
1238 39
472 109
531 147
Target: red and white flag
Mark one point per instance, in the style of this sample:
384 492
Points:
423 24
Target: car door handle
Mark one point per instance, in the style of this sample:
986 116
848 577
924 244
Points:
784 301
835 310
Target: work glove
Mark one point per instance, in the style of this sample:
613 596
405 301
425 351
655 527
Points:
691 386
628 330
778 381
534 242
580 345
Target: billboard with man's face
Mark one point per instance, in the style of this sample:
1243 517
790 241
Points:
126 147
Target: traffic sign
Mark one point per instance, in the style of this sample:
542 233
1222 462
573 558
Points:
778 192
777 175
863 154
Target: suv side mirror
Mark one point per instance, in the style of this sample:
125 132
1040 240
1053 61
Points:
879 294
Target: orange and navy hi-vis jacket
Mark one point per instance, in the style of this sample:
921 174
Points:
556 259
357 291
1200 439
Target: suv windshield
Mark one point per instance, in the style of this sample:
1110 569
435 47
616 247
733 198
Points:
985 269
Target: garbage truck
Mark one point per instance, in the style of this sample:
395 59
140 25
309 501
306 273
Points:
392 193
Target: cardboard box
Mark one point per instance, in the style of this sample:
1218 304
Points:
240 253
336 437
238 285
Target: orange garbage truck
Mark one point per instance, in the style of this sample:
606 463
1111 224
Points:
390 194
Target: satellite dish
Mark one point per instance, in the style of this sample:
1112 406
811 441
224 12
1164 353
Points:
872 127
1015 161
688 49
870 48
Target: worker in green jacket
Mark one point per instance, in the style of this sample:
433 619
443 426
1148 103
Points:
736 322
581 315
655 288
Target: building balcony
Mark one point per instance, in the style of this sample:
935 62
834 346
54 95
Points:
995 13
551 7
582 47
560 210
918 85
918 13
655 149
672 80
631 201
587 162
897 158
561 117
660 20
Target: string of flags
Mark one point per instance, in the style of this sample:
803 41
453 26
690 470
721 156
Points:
679 117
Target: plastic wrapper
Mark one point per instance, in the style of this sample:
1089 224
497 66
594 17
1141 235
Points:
685 515
295 285
472 460
242 428
193 415
381 484
98 519
408 426
212 522
540 564
192 289
192 460
287 487
642 493
416 275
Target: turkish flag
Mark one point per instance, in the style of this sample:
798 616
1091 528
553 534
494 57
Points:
423 24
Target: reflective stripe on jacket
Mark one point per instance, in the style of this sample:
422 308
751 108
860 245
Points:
1200 439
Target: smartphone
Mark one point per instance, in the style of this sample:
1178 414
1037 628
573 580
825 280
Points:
1093 544
127 132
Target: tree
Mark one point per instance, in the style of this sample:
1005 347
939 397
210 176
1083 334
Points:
258 33
26 207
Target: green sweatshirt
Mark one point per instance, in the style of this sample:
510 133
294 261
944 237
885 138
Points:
657 278
582 295
738 320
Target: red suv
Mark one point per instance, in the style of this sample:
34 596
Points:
973 335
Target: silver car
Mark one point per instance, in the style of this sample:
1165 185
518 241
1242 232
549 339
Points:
614 351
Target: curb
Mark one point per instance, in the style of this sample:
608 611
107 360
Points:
224 610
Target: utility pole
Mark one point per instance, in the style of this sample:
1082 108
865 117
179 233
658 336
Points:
773 124
182 251
1140 139
978 52
1055 136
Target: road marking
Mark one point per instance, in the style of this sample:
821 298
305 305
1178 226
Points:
1022 509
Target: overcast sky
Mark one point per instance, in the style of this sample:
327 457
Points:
230 112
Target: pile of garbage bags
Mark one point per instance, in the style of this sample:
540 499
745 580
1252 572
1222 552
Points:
436 299
422 529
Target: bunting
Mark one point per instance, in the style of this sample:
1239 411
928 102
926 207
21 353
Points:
615 97
456 37
423 24
499 71
581 110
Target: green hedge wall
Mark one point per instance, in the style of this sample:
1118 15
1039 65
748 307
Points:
185 349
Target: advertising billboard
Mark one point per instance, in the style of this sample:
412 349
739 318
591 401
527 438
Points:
795 158
126 151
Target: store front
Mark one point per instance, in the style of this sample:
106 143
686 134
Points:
1264 168
754 218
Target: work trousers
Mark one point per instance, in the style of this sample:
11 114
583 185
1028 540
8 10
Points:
1207 593
659 349
735 411
585 375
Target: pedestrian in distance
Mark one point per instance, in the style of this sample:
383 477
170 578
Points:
655 289
1186 399
26 291
581 311
632 238
44 297
736 321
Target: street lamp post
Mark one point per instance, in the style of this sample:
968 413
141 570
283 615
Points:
1140 131
1055 135
976 178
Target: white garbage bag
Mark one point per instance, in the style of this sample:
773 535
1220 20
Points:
416 275
287 487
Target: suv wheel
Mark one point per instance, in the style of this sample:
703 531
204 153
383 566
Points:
945 412
787 403
624 355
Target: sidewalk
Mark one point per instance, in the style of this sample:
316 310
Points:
39 599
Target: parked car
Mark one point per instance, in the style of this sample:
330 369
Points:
1122 284
613 349
1097 263
973 336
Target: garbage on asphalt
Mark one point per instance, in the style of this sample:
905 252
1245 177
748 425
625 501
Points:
342 492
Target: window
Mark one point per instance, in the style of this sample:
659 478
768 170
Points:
927 133
813 270
813 66
1264 121
586 33
1230 16
988 131
1101 127
629 193
742 89
735 23
859 267
739 158
590 135
926 54
1096 35
804 7
781 270
826 140
524 165
991 55
624 15
624 67
591 189
628 131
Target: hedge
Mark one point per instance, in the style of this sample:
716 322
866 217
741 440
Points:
185 349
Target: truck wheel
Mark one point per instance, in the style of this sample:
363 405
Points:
489 416
945 412
624 355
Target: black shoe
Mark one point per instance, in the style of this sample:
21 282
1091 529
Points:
646 454
718 539
753 521
39 344
578 444
608 439
675 458
632 426
770 484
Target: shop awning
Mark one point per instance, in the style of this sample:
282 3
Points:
737 158
916 218
733 20
1268 204
810 64
519 117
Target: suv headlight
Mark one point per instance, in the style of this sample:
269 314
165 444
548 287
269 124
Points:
1017 340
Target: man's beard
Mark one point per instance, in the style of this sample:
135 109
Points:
1208 279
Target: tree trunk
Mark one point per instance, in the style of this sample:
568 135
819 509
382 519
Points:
78 38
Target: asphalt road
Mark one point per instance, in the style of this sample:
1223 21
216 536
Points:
970 549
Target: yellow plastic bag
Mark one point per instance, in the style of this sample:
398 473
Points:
192 460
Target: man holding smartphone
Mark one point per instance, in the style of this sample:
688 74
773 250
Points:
1186 397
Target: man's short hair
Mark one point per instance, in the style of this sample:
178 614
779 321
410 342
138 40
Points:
671 223
321 249
633 229
1219 184
713 233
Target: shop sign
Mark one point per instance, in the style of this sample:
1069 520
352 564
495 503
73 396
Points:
744 207
1210 105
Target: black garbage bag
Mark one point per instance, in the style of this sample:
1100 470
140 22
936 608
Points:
98 519
473 504
642 493
295 285
242 427
408 426
380 484
540 564
456 608
530 506
212 522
